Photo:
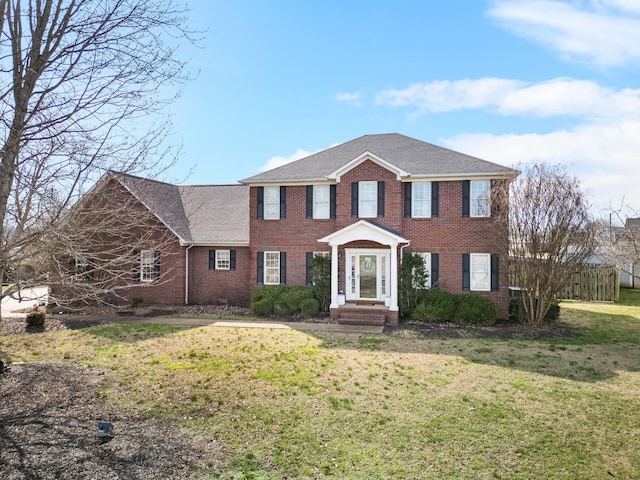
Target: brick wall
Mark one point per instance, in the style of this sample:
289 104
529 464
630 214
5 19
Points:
218 286
450 235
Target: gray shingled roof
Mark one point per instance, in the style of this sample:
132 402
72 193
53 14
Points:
201 214
416 157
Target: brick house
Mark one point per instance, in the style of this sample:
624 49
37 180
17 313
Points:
366 203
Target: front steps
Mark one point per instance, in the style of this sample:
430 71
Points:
362 317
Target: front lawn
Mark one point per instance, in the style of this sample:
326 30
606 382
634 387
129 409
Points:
288 404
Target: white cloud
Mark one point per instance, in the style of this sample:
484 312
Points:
603 155
559 96
279 161
353 98
445 95
603 32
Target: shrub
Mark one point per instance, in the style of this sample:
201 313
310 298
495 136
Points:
310 307
281 308
321 278
294 296
136 302
412 278
35 318
474 309
437 306
263 298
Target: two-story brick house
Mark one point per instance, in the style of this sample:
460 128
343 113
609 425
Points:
366 203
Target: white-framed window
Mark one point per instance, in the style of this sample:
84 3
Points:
321 201
480 269
421 199
271 203
147 266
271 268
368 199
479 197
426 258
223 259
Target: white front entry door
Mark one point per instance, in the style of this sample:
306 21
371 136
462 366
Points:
367 274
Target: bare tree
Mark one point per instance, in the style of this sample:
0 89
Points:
619 238
550 235
83 86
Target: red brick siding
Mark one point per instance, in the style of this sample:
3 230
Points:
210 286
450 235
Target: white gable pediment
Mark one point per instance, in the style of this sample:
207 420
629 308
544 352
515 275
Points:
336 174
363 230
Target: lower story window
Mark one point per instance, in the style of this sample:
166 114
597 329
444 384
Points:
480 271
147 265
271 268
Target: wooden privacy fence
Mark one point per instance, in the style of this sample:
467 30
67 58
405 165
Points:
593 283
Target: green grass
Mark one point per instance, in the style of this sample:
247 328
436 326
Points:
289 404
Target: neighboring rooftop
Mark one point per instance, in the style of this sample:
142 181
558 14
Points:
417 158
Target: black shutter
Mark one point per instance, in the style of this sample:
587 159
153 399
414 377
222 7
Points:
156 265
260 195
354 199
136 266
232 259
260 269
466 198
332 200
212 259
435 269
407 199
283 202
309 201
494 273
435 197
283 268
381 199
308 268
466 271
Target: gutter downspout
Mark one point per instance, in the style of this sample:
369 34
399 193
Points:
186 274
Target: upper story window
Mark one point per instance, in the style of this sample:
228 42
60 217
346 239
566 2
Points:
271 203
479 197
367 199
321 201
421 199
476 195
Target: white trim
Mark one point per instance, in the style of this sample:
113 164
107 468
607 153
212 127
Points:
336 174
363 230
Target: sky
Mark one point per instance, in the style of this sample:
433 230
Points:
507 81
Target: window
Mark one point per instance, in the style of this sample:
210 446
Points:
421 199
368 199
480 264
321 201
147 265
271 268
223 259
271 203
479 197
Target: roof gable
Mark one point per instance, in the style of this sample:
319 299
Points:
364 230
363 158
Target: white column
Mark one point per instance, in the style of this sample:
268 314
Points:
394 278
334 276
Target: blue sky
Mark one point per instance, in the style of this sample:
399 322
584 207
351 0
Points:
506 80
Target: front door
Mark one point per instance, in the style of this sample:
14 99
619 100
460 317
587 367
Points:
367 277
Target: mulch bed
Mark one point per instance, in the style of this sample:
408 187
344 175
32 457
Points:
49 414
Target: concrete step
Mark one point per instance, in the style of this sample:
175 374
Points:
358 318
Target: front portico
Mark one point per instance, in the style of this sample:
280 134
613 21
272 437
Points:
370 273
